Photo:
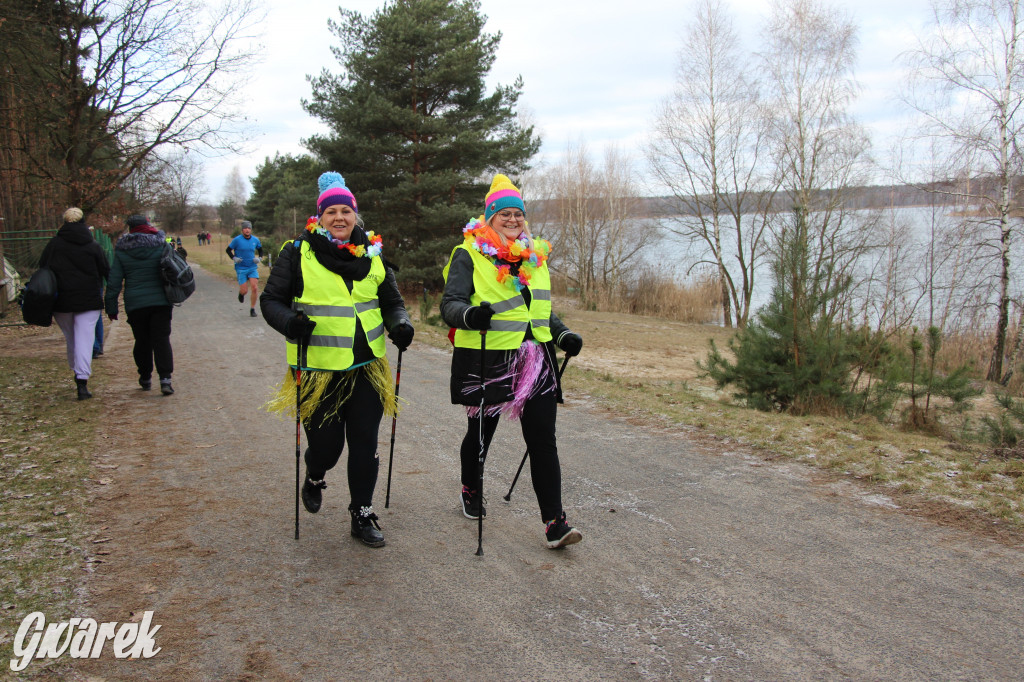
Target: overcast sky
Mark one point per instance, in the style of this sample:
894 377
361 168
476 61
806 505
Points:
593 71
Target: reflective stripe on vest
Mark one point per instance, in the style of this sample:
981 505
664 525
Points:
327 301
511 316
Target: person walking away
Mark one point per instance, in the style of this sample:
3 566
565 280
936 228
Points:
80 267
136 267
332 292
97 344
501 263
243 249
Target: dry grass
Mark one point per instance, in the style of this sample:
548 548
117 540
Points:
644 367
212 258
697 301
46 441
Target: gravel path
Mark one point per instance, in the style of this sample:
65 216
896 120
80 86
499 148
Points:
696 563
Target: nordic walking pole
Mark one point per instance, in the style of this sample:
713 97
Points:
508 495
394 421
480 459
300 360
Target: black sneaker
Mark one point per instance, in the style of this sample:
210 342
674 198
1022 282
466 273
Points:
145 384
252 312
560 534
241 298
312 497
165 386
472 504
366 528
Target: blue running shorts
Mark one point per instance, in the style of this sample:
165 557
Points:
244 272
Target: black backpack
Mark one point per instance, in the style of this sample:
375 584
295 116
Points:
38 297
179 282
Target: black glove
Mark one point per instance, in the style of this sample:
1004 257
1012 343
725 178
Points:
571 343
479 317
299 327
401 335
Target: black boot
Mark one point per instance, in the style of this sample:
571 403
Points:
312 498
365 527
83 389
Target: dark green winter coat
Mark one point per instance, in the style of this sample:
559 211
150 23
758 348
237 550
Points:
137 264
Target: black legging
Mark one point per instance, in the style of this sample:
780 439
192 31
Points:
358 419
538 424
151 328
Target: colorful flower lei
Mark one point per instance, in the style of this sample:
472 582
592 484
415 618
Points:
531 253
358 250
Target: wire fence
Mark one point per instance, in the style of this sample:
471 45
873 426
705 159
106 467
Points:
21 250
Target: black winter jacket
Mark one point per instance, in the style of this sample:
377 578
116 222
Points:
80 266
279 292
466 361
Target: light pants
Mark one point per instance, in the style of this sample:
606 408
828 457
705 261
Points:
79 332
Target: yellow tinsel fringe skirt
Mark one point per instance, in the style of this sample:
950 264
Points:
333 387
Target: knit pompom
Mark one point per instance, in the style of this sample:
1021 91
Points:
330 179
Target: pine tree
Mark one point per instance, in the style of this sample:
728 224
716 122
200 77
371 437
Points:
794 356
413 129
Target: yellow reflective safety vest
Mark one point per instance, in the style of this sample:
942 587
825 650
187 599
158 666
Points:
326 300
511 316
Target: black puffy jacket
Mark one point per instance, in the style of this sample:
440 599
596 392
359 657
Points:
285 284
80 266
458 291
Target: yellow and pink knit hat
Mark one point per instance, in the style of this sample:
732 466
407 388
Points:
502 194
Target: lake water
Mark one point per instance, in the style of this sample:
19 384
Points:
963 273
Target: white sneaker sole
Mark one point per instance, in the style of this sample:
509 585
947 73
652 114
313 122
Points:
570 538
466 513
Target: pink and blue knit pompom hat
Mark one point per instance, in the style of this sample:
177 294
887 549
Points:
333 191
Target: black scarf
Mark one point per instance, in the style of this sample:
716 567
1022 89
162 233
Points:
340 260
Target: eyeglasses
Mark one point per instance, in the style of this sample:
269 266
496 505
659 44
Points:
512 215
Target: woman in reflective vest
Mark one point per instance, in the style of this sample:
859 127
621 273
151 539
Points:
500 262
332 293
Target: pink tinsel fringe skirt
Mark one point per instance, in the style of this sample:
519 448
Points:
530 376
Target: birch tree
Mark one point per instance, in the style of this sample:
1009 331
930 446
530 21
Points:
820 153
707 148
967 85
592 216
